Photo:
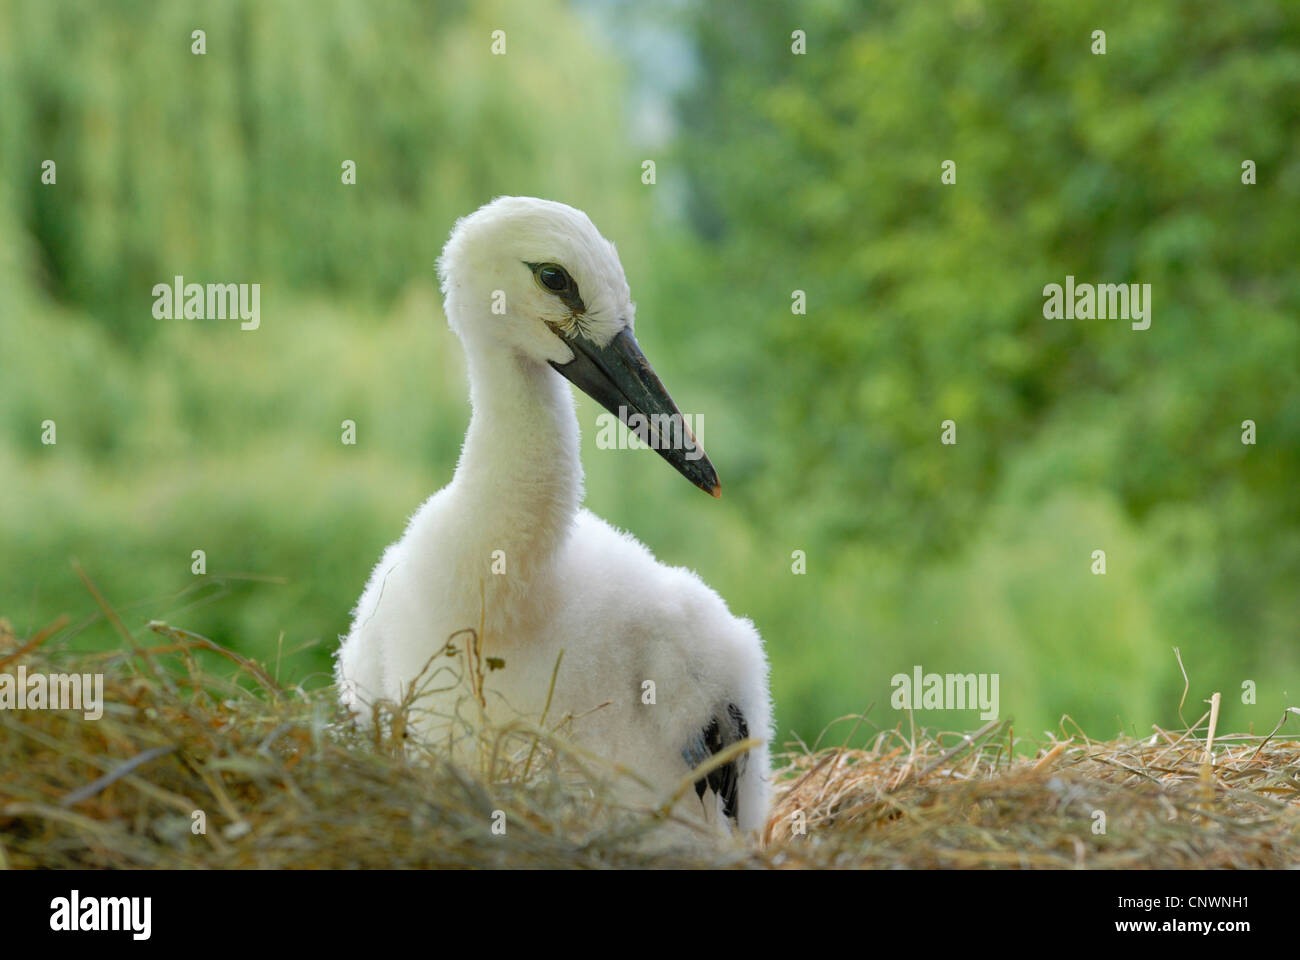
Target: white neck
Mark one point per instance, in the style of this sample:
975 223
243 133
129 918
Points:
519 480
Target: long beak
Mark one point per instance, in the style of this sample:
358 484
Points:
619 377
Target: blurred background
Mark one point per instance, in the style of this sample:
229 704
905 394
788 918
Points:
774 172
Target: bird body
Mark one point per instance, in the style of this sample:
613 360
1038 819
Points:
642 663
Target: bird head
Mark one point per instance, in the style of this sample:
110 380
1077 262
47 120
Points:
538 277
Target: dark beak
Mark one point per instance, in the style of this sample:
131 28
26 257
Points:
620 379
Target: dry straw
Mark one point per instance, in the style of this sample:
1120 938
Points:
282 780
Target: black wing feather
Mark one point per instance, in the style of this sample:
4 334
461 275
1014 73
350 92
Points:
725 728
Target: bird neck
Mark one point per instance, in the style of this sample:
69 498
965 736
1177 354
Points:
520 473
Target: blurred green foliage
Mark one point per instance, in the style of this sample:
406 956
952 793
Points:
925 304
819 173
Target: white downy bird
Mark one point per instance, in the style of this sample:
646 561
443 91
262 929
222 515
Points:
536 295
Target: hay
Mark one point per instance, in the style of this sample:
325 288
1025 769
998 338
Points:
961 801
282 780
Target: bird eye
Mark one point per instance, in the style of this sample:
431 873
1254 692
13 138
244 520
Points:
553 277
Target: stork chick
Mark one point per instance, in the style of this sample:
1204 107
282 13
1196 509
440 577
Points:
536 296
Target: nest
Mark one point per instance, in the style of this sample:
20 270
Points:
202 759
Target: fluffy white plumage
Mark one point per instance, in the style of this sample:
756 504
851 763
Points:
571 581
